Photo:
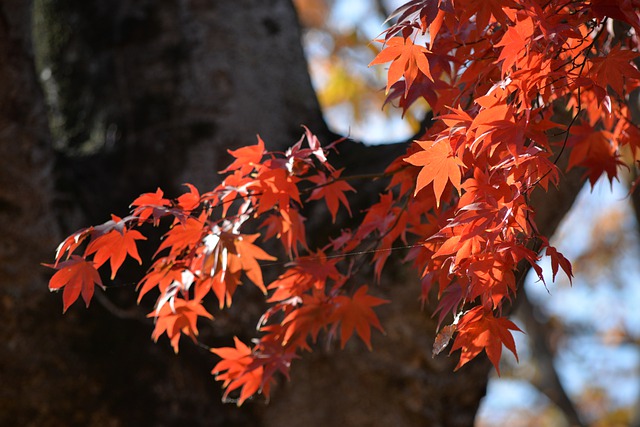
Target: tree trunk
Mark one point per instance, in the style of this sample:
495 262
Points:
146 93
155 92
27 227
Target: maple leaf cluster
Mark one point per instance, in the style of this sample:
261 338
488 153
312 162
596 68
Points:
205 252
501 78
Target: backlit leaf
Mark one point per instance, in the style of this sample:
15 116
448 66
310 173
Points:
77 276
439 166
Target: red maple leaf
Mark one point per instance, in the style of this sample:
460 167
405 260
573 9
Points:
429 12
114 246
178 317
182 235
514 42
478 329
558 261
356 314
332 191
237 370
71 243
246 157
189 201
614 68
77 276
275 188
484 10
407 60
249 254
149 204
289 228
299 160
439 165
421 87
622 10
377 217
308 319
450 300
594 150
162 274
303 275
234 187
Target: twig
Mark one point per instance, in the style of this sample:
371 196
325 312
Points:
133 313
548 382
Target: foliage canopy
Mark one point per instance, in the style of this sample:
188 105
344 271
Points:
512 84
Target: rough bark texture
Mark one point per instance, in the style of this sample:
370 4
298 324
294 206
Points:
27 224
147 93
154 91
25 187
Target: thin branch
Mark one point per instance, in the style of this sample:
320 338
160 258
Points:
550 207
134 313
548 382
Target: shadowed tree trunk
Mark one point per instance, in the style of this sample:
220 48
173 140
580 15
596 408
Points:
146 93
28 230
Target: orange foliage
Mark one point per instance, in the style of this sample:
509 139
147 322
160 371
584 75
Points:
494 73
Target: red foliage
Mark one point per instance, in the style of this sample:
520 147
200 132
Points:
479 329
76 276
495 73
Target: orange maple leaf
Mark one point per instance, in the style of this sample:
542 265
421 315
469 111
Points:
356 314
179 317
236 370
191 200
492 279
221 264
289 228
332 191
162 274
407 59
275 187
114 246
248 254
514 43
77 276
439 165
246 157
224 283
478 329
149 204
182 235
311 317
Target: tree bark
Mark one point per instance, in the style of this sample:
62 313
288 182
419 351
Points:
27 226
155 92
146 93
